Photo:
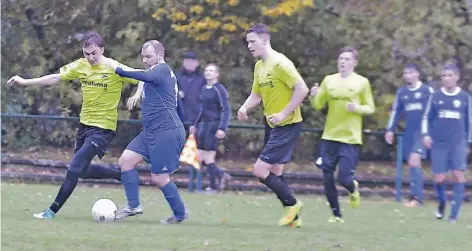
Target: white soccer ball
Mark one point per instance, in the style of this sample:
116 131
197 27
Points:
104 210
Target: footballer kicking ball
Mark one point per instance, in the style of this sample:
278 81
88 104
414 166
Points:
104 210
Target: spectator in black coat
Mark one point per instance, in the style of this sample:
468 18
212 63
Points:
190 80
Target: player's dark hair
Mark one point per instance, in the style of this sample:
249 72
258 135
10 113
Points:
259 29
92 38
452 67
351 50
412 66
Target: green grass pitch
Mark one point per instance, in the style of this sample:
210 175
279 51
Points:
231 221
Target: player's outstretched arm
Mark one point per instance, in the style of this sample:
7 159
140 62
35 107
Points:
47 80
367 105
150 76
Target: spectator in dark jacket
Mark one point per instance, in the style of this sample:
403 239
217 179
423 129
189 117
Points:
190 81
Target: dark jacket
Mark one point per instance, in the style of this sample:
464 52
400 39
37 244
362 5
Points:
190 83
214 106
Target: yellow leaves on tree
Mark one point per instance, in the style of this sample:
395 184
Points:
179 16
233 2
287 8
212 2
223 19
161 12
197 9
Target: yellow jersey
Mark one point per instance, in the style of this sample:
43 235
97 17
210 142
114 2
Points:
101 92
342 125
274 80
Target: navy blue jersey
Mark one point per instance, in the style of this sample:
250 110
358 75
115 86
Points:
411 103
214 105
159 105
447 117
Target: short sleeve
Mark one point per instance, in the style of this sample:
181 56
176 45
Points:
71 70
287 73
255 83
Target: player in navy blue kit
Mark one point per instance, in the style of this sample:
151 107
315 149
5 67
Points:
447 128
163 137
211 124
410 101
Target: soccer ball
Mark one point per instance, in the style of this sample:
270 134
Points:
104 210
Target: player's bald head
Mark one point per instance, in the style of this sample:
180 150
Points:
152 53
157 46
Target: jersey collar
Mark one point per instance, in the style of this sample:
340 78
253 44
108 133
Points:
417 87
270 55
211 86
456 91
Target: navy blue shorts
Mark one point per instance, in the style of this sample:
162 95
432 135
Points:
333 152
206 139
414 144
97 136
90 136
160 148
447 157
281 143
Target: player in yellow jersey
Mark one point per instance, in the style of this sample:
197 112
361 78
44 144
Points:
101 89
349 97
281 89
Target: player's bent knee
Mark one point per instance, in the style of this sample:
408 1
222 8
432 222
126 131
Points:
439 178
277 169
209 156
459 176
200 154
414 160
260 172
160 179
72 176
129 160
261 169
82 175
